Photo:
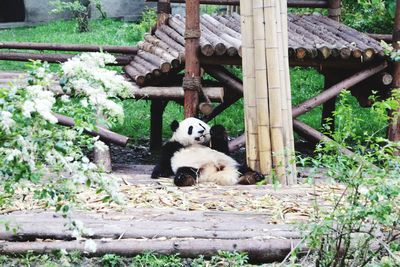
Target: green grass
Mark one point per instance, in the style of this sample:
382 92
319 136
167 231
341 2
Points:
305 82
103 32
59 258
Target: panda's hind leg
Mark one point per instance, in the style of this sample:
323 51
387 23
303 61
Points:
185 176
249 176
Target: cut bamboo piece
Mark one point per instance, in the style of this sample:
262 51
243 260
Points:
249 84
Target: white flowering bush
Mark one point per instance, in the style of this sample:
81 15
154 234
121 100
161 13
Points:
35 149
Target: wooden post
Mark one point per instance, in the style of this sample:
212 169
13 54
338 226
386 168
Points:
334 10
156 123
394 127
192 79
163 11
328 107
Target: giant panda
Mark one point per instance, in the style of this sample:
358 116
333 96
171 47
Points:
188 156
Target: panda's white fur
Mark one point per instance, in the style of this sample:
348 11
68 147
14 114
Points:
200 132
212 166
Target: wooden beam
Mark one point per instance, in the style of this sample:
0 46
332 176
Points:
385 37
174 93
69 47
336 89
53 58
225 77
104 134
291 3
192 79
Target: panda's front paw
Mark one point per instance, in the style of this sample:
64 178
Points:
185 177
251 177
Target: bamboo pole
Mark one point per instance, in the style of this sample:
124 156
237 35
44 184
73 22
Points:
289 142
274 90
250 110
262 89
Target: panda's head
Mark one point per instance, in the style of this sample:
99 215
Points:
190 131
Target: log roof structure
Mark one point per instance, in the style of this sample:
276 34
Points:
311 37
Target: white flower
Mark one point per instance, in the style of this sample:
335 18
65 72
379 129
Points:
84 103
13 154
65 98
90 246
6 121
27 108
85 160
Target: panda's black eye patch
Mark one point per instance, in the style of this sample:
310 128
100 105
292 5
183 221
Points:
190 130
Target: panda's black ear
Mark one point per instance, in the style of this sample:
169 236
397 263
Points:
174 125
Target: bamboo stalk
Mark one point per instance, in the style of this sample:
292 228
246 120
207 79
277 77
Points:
274 87
262 90
249 84
289 143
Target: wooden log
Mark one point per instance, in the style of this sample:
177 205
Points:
53 58
175 93
168 40
222 28
179 26
158 51
192 62
148 65
228 23
220 46
313 135
290 3
384 37
133 73
104 134
336 89
147 73
163 65
386 78
230 43
220 60
69 47
221 108
173 34
157 42
225 77
267 250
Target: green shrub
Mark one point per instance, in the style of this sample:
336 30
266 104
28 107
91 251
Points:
363 226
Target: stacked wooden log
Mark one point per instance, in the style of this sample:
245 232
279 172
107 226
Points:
312 37
269 132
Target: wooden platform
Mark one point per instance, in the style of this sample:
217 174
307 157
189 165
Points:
158 216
